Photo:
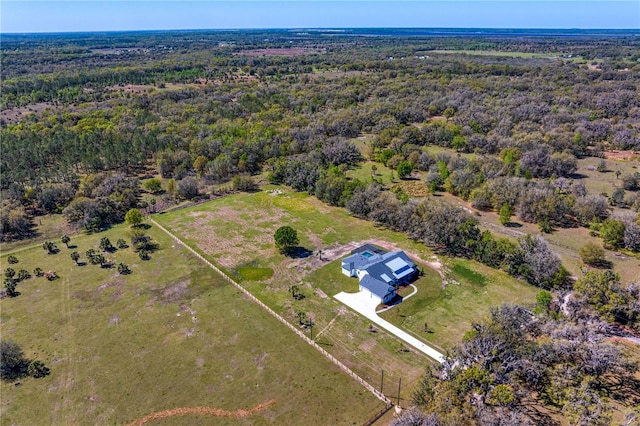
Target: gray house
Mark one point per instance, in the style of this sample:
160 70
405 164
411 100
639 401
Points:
380 272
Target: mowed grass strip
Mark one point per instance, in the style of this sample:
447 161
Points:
171 334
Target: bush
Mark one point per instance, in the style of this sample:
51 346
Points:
12 259
23 274
188 188
123 268
593 255
404 169
153 185
244 183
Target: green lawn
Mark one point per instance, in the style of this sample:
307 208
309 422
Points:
171 334
472 289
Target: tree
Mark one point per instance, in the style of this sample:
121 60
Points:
286 239
105 244
10 287
65 240
188 188
612 233
171 186
75 256
23 274
153 185
543 301
603 291
121 244
505 214
13 364
9 273
98 259
123 268
133 217
404 169
49 247
200 165
12 259
38 272
593 255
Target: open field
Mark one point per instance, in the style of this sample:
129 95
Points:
170 335
50 227
236 232
605 182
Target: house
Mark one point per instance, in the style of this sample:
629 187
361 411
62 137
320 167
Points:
379 272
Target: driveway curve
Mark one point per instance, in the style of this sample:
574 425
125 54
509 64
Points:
365 305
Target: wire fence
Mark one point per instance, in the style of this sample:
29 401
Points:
254 299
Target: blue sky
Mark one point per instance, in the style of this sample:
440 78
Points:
62 16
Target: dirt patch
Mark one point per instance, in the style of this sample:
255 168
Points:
283 51
259 360
615 154
230 248
203 411
367 345
16 114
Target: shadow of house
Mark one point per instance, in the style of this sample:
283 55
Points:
379 272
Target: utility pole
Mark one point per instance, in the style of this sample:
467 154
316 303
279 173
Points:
310 324
399 384
382 383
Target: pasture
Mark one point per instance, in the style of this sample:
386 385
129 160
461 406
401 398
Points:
172 334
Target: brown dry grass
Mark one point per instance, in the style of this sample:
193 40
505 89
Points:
615 154
202 411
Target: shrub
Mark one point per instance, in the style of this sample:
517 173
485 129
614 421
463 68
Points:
123 268
12 259
244 183
593 255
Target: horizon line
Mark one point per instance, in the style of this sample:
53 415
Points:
238 29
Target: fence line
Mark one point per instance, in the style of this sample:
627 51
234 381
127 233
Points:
254 299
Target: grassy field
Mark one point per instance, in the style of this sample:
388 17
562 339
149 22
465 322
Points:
449 312
171 334
237 231
50 227
604 182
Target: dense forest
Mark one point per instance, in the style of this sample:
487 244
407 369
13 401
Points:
93 125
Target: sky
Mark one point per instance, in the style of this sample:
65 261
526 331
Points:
20 16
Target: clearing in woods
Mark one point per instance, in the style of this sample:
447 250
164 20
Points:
171 334
236 233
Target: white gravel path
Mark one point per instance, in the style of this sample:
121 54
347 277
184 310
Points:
365 305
